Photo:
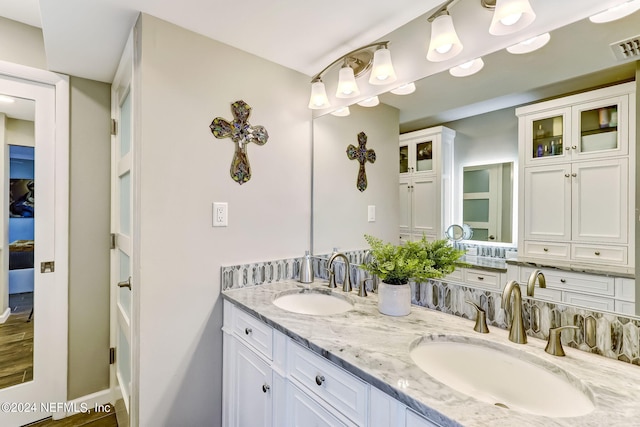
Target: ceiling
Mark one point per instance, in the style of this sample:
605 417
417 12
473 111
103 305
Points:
85 38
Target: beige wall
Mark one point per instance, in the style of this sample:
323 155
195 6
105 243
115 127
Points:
340 209
89 214
187 80
19 132
89 208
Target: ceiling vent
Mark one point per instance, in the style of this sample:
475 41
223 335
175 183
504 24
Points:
626 49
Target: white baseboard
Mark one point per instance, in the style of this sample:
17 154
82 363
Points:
4 316
89 402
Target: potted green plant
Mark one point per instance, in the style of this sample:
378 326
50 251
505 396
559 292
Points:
396 265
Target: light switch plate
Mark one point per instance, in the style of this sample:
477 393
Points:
220 214
371 213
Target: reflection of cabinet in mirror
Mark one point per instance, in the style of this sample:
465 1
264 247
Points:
426 163
577 204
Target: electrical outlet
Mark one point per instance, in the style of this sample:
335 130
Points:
220 214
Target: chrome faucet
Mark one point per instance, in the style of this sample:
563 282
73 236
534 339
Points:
346 285
517 333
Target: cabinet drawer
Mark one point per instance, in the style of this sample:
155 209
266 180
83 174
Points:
304 411
456 276
253 332
578 282
546 294
625 289
625 307
482 279
598 253
590 301
337 387
547 250
415 420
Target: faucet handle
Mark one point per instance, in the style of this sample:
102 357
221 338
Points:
554 345
481 319
362 290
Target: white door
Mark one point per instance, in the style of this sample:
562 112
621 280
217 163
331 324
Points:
122 225
425 206
45 394
547 207
252 392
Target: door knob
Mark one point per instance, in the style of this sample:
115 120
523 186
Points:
125 284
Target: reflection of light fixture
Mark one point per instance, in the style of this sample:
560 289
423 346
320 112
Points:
468 68
355 64
617 12
6 99
369 102
444 43
509 16
342 112
530 45
404 89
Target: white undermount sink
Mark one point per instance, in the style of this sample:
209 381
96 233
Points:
315 301
502 376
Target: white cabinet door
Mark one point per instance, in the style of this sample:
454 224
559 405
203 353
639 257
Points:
251 384
404 195
304 411
547 203
599 198
425 206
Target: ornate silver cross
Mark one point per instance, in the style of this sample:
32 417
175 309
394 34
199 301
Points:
362 155
241 133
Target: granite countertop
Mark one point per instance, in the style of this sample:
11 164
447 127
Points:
376 348
610 270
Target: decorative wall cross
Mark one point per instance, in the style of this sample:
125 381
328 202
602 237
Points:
362 155
241 133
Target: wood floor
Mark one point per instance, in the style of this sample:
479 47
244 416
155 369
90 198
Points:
106 418
16 342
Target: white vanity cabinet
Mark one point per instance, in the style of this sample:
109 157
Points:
270 380
576 190
425 168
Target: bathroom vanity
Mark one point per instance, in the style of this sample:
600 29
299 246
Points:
355 369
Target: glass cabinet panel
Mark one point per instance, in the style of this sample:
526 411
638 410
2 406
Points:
547 137
424 156
599 129
404 159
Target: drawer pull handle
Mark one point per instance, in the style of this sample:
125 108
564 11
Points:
319 379
248 331
563 281
265 388
545 249
597 252
480 278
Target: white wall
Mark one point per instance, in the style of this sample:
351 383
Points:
185 80
339 208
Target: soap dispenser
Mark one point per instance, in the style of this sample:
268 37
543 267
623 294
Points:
306 269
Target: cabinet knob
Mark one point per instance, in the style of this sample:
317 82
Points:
574 147
567 175
567 148
574 174
545 249
319 379
248 331
265 388
597 252
563 280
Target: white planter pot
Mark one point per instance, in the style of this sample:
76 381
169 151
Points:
394 300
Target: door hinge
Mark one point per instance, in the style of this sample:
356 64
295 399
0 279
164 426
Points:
112 355
114 127
112 240
47 267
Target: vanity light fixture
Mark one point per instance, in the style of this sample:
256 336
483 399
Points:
530 45
405 89
369 102
341 112
6 99
375 57
468 68
444 43
509 16
617 12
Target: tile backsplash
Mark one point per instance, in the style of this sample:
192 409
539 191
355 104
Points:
616 336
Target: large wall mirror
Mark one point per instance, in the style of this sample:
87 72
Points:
481 109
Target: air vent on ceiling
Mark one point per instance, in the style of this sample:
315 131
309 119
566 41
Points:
627 49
